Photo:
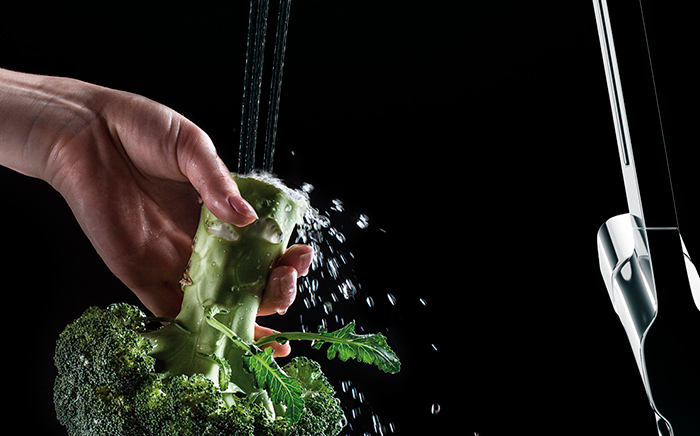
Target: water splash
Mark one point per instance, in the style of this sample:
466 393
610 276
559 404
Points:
331 261
332 289
332 296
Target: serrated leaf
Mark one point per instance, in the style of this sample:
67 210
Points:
268 375
370 348
282 388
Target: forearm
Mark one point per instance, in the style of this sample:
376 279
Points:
37 112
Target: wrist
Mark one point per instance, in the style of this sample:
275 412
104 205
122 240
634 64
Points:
37 115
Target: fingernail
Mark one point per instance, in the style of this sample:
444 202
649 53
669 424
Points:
242 207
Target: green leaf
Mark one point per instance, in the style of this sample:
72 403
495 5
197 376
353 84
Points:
268 375
371 348
282 388
346 344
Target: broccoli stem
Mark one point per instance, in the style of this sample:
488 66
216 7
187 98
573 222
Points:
298 336
226 278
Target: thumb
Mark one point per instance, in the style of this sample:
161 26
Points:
199 162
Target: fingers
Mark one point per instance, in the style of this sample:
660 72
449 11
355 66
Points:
281 290
162 143
208 174
279 350
298 257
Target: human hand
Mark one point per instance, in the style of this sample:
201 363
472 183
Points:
132 171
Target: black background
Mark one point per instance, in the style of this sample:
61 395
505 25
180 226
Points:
476 136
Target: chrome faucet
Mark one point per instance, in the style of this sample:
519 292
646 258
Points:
652 283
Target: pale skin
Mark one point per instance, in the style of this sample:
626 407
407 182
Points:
132 171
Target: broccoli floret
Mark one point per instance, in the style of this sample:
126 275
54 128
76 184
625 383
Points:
101 360
203 374
103 345
323 414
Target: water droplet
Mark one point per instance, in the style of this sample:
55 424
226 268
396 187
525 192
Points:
337 205
307 187
423 302
328 307
434 347
378 427
348 289
392 299
370 301
363 221
323 221
338 235
288 207
333 267
435 409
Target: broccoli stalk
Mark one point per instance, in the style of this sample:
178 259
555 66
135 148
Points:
225 279
203 373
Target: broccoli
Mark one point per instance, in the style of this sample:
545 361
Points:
203 373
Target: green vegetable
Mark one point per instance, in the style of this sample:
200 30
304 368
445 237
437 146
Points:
203 373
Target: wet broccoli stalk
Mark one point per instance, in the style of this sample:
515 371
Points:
203 373
224 282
